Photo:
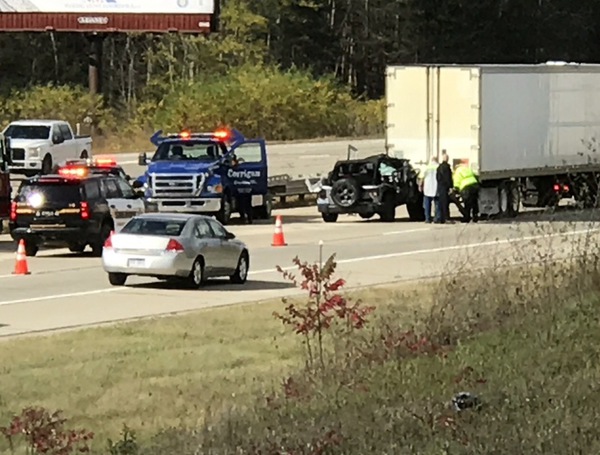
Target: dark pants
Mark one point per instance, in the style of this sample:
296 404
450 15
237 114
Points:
245 206
470 196
444 203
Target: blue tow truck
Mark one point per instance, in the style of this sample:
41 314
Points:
200 173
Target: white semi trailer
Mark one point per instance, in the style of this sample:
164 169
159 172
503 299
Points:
531 132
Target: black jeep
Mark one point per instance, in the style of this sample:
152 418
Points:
374 185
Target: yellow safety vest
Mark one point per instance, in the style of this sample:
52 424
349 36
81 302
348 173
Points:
463 177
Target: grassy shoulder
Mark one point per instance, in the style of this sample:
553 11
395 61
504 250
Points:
232 380
154 374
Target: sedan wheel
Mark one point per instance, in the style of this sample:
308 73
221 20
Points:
197 274
241 273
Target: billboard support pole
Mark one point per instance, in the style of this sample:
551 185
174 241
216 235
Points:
95 60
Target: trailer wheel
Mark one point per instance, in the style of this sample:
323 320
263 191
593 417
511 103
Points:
514 199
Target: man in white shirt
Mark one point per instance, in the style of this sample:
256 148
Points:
430 191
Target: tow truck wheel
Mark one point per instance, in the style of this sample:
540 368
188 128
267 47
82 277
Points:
117 279
224 215
264 212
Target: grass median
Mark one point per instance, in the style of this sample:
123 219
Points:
524 341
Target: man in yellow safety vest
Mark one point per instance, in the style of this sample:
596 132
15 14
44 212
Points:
467 184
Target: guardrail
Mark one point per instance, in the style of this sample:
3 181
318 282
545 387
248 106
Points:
283 186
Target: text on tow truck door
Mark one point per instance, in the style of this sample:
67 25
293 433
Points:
251 167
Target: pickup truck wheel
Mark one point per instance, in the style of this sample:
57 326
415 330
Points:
84 155
47 165
224 215
330 217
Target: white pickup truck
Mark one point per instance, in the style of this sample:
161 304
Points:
37 145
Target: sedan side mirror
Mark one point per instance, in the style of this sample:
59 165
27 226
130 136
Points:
142 159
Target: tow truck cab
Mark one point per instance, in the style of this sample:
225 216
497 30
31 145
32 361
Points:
200 173
4 178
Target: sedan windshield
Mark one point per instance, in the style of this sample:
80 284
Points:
192 151
148 226
27 132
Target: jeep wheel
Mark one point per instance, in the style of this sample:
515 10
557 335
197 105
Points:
345 192
415 209
388 209
330 217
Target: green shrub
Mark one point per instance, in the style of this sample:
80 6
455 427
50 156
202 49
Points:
56 102
257 100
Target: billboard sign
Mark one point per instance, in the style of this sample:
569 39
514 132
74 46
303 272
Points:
109 6
95 16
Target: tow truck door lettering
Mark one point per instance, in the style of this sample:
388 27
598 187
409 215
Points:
252 168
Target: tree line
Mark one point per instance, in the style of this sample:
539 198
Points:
341 44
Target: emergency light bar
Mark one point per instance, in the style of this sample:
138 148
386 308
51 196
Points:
75 171
232 136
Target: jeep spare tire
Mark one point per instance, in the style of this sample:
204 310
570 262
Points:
345 192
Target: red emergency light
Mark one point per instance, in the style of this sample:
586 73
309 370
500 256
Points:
222 134
105 161
75 172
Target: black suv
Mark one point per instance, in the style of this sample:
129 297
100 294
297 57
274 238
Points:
374 185
58 211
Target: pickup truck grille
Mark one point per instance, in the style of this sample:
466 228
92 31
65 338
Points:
18 154
177 185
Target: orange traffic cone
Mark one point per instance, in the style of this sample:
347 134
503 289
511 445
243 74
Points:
21 263
278 238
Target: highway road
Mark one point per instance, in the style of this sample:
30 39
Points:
67 290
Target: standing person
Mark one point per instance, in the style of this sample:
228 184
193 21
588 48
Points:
466 182
445 184
244 201
430 191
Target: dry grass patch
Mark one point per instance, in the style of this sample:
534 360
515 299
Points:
156 373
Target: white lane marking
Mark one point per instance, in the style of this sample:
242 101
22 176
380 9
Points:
128 162
341 261
58 296
408 231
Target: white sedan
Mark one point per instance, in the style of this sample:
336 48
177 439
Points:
192 248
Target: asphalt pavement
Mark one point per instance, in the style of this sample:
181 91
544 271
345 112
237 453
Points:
67 290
